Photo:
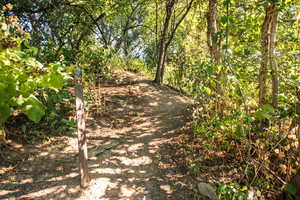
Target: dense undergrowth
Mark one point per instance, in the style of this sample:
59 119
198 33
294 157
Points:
28 88
255 147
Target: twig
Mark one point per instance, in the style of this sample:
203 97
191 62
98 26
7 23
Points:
272 172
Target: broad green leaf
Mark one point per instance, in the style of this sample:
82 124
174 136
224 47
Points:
7 88
268 109
4 113
53 81
265 112
33 109
20 100
28 88
261 115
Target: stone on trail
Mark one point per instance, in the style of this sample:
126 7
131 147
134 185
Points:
96 151
207 190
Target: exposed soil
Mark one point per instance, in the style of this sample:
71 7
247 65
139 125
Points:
137 122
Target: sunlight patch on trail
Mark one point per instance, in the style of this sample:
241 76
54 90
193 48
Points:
143 160
136 147
107 171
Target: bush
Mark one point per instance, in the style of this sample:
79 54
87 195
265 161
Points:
22 77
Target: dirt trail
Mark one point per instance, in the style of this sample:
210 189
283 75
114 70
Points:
139 120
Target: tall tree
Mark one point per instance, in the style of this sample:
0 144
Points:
268 35
168 33
213 40
273 63
163 41
214 46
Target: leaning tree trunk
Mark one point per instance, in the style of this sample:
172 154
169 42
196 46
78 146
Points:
273 63
161 61
166 37
163 42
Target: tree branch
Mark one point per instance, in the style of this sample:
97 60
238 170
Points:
179 22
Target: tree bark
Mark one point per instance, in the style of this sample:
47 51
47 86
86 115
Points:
213 41
82 140
156 31
268 35
163 42
264 59
166 39
273 63
214 46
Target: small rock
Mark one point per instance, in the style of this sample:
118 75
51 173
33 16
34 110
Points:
207 190
96 151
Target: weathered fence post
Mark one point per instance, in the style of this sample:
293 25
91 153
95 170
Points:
82 140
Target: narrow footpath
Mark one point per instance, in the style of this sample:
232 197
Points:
129 154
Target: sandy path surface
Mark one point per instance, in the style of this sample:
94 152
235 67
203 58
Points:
130 157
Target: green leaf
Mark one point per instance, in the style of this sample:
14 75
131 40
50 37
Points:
240 131
244 188
33 109
207 90
6 62
54 81
20 100
226 3
224 19
291 189
265 112
4 113
261 115
268 109
28 88
7 88
222 189
241 196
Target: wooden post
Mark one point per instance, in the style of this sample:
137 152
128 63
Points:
82 140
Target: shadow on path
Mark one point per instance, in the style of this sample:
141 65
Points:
140 118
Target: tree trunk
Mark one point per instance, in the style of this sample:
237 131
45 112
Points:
273 63
163 43
156 31
82 140
268 35
214 46
264 60
166 37
213 41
